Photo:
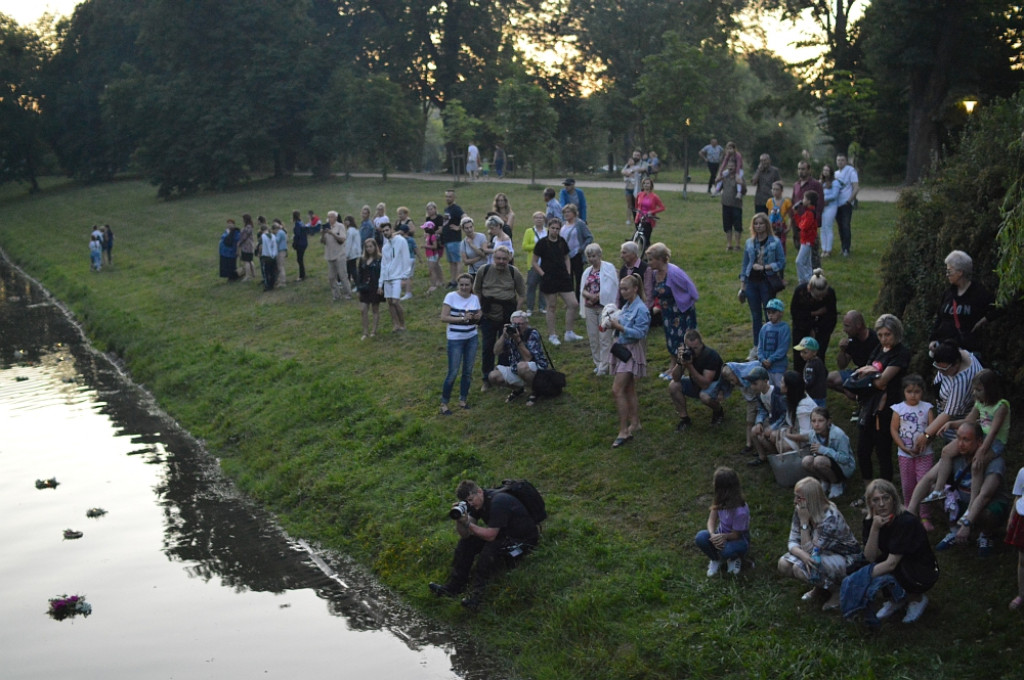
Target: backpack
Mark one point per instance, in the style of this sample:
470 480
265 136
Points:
527 494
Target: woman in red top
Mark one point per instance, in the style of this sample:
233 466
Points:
648 204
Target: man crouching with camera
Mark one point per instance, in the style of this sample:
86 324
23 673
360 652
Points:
696 376
520 355
510 534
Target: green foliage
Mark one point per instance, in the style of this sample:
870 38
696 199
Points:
961 207
528 121
21 143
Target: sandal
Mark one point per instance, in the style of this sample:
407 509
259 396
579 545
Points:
1016 603
445 411
531 400
513 395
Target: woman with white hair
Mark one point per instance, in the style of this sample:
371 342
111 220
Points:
599 287
966 305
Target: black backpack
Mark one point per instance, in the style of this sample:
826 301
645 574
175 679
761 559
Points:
527 494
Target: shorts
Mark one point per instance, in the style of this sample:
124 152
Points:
1015 532
392 289
512 378
454 251
732 218
411 273
690 388
434 258
246 257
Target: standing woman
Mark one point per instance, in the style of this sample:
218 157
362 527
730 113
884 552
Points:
677 296
890 361
631 171
648 205
228 252
556 280
368 286
432 245
599 287
300 241
831 188
966 305
763 255
577 236
504 210
108 243
533 235
631 328
461 311
247 247
814 314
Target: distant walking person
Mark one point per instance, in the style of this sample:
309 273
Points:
849 186
712 155
108 245
268 255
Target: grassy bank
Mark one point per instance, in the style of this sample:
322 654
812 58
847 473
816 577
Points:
341 439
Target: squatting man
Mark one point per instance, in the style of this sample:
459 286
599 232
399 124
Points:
510 533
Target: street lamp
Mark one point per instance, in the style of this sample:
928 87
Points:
969 105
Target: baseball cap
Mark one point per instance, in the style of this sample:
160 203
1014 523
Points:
568 182
757 373
807 343
776 304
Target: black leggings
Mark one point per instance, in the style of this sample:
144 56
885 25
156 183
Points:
300 255
875 437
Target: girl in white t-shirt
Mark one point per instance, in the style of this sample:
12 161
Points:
910 418
461 311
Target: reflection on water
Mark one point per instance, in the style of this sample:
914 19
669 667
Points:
186 577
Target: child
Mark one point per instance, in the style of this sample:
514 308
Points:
95 252
353 249
831 460
414 255
368 286
742 375
815 375
727 537
990 411
807 223
773 342
910 418
771 414
794 432
779 210
1015 536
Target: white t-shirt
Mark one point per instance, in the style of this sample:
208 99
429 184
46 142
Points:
913 421
459 306
1018 490
846 177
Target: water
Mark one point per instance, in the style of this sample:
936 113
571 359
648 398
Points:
187 579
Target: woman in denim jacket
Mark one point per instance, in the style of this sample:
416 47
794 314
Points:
762 254
631 326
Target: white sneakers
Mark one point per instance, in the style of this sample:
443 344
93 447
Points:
914 609
553 339
734 566
572 337
713 567
890 608
837 490
407 296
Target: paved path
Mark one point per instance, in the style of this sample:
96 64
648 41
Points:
877 194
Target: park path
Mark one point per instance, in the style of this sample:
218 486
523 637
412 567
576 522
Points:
876 194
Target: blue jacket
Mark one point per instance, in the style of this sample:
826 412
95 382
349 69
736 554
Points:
636 320
563 199
774 256
773 343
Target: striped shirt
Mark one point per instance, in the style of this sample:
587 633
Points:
955 396
459 306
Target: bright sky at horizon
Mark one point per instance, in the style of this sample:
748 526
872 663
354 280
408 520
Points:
26 12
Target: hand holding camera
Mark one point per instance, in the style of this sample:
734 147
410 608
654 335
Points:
459 510
684 354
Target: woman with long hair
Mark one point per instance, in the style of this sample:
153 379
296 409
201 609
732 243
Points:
630 361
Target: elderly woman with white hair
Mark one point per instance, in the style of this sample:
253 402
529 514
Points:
599 286
966 305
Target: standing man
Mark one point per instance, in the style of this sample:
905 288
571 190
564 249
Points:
712 155
501 289
765 176
268 257
570 194
394 264
333 237
473 161
631 263
849 186
805 182
451 235
855 349
499 160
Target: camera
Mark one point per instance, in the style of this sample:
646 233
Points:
458 510
686 354
510 329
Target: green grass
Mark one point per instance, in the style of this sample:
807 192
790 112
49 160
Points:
341 439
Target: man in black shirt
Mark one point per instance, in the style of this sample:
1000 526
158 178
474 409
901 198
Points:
699 369
509 534
451 235
855 348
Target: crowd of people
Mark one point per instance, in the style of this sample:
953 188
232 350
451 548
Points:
497 280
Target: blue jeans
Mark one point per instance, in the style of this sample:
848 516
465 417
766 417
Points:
758 295
460 353
737 548
532 283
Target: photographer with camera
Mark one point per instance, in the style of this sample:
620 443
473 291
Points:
520 355
696 376
510 533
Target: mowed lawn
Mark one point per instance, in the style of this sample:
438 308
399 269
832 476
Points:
341 437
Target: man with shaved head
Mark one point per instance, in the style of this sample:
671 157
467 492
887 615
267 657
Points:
854 350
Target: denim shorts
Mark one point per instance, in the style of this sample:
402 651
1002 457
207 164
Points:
453 251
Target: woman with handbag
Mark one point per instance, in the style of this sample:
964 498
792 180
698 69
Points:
764 263
629 356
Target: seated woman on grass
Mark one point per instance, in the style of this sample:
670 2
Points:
830 460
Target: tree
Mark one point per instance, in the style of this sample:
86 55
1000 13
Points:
21 141
529 121
460 129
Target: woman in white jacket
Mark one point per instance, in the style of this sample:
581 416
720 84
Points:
599 286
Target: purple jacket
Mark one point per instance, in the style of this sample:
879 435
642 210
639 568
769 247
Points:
682 287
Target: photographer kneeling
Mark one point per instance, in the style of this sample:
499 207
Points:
509 535
521 355
696 376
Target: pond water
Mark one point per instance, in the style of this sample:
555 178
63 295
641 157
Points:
187 579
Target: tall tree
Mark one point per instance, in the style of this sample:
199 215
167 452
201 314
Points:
529 122
21 142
